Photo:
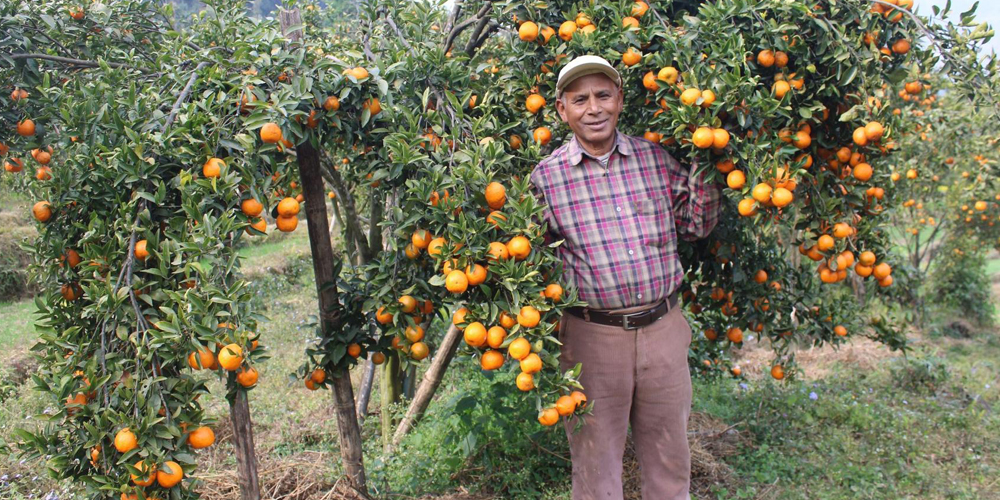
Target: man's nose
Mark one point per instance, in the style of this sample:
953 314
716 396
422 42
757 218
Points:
593 106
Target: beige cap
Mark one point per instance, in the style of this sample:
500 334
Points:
583 66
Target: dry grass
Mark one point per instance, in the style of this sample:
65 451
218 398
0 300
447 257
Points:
815 363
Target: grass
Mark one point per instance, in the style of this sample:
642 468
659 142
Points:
916 427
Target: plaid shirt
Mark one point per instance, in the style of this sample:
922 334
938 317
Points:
621 224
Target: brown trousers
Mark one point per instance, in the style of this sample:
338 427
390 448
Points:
638 377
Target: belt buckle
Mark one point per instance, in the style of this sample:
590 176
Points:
626 317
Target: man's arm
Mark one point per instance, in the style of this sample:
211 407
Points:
696 202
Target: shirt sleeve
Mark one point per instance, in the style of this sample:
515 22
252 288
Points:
547 216
696 202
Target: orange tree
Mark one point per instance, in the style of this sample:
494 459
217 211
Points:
168 147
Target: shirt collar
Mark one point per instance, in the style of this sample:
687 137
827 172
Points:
576 151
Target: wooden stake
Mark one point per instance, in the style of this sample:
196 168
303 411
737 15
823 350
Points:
246 459
429 384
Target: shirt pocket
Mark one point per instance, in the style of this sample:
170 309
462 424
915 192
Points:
655 220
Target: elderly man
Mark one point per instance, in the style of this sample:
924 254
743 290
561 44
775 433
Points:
620 203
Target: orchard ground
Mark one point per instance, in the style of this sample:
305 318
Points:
860 422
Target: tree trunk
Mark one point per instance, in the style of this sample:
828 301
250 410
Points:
324 267
365 391
390 389
430 383
246 459
410 381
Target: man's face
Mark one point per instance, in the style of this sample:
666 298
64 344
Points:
591 105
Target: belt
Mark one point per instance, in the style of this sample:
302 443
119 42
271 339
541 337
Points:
630 321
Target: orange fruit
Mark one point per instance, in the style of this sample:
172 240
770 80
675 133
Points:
495 336
553 291
247 376
203 359
496 195
578 397
860 136
331 103
259 225
491 360
456 282
720 137
881 271
777 372
746 207
528 317
690 96
476 274
419 351
382 316
703 137
781 197
213 168
378 358
26 128
42 211
862 172
354 349
125 441
409 303
631 57
639 8
318 376
780 59
765 58
735 335
230 357
421 238
548 417
901 46
840 330
288 207
519 247
170 474
668 74
534 103
312 385
270 133
542 135
874 131
286 224
528 32
867 258
824 243
519 349
707 98
357 72
71 257
525 381
251 207
436 246
761 192
531 364
506 320
475 334
148 474
780 88
565 405
629 22
566 30
202 437
414 333
141 252
736 179
649 81
459 317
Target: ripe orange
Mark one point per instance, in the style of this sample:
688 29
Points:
781 197
475 334
528 31
202 437
286 224
13 165
629 22
259 225
495 336
148 474
519 349
525 382
491 360
639 8
824 243
331 103
860 136
901 46
354 349
419 351
436 246
631 57
777 372
528 317
42 211
230 357
703 137
496 195
649 81
542 135
170 474
125 441
548 417
553 291
881 271
515 142
476 274
690 96
801 139
534 103
421 238
251 207
312 385
71 257
318 376
531 364
668 74
456 282
409 303
270 133
519 247
506 320
378 358
459 317
26 128
761 192
736 179
203 359
780 59
867 258
840 330
357 72
765 58
43 157
212 168
842 230
720 137
565 405
288 207
735 335
141 252
746 207
566 30
874 131
578 397
760 276
780 88
413 334
862 172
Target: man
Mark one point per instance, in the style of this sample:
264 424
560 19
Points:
620 203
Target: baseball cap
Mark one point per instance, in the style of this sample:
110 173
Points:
583 66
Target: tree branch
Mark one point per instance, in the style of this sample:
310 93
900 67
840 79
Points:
455 11
474 44
458 29
184 94
350 214
74 62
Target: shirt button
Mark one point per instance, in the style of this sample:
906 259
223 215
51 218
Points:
630 252
638 296
618 209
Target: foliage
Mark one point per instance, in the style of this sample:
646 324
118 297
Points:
960 281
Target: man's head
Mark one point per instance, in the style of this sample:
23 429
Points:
589 99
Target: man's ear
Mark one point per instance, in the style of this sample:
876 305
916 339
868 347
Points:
561 109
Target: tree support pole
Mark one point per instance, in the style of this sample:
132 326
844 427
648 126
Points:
430 383
324 266
390 389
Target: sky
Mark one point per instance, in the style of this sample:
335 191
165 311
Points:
988 11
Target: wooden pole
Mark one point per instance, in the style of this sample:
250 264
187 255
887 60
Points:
429 384
324 266
390 389
246 459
